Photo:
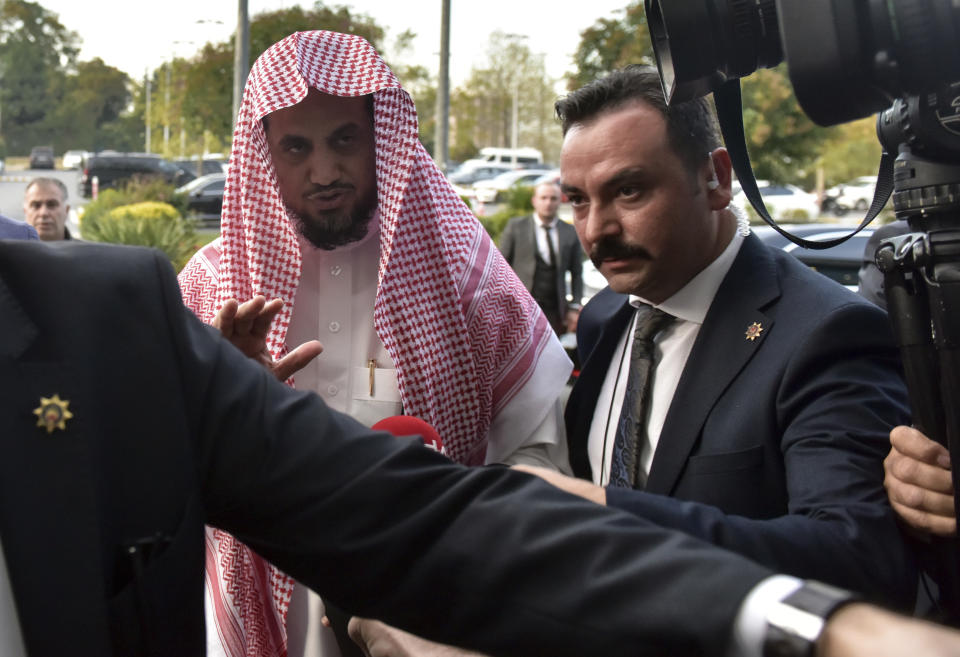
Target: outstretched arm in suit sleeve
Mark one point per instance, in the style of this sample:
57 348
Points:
487 558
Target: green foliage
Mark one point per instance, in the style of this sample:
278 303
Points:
483 106
854 152
612 43
36 51
783 143
148 223
91 115
517 202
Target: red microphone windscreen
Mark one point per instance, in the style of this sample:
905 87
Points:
408 425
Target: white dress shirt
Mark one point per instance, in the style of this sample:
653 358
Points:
541 235
672 348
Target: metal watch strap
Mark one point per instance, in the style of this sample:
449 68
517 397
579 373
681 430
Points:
795 623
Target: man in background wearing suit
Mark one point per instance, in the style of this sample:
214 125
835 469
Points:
542 249
746 398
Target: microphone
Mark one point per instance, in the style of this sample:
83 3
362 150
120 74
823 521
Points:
408 425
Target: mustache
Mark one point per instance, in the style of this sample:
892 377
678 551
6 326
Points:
326 189
612 248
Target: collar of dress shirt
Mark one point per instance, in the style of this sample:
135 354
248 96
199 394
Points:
692 301
551 223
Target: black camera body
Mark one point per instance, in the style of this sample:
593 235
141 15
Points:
846 58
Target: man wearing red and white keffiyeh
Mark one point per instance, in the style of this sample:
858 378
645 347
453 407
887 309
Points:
332 205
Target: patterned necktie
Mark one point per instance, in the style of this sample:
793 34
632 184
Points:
625 466
550 251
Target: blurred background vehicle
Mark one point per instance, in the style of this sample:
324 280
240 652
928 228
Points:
41 157
201 167
854 195
467 175
205 198
112 168
73 159
490 191
512 157
786 202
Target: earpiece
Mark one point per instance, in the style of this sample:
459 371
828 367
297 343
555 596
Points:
713 183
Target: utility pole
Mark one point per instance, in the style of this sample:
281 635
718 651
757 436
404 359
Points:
241 55
146 83
441 146
166 114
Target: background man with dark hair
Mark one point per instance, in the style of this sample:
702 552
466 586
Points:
542 250
746 398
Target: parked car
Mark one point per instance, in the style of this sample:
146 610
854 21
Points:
111 169
854 195
207 165
73 159
491 191
468 175
205 197
787 202
41 157
840 263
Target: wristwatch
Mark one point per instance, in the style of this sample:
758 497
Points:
794 623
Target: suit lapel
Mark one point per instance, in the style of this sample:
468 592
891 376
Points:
719 354
583 398
48 506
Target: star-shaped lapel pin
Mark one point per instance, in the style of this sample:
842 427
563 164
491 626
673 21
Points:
53 413
754 331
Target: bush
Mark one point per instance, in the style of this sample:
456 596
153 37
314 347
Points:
148 223
518 201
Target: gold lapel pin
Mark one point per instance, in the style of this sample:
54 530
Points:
53 413
754 331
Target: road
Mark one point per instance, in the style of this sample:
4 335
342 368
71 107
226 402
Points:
13 183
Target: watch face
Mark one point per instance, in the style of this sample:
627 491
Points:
794 623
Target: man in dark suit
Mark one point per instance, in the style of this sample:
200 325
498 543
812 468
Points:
123 432
769 390
542 250
129 425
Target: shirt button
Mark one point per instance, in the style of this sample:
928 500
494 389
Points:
335 270
334 327
332 390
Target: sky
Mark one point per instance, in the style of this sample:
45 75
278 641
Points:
134 35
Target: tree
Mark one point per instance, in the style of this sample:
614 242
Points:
36 51
95 99
483 106
202 86
784 145
612 43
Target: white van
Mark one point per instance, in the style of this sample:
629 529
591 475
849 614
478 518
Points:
508 158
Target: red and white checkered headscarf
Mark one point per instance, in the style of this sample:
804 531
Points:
462 330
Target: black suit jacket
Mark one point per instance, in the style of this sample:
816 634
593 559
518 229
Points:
518 243
102 522
771 447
